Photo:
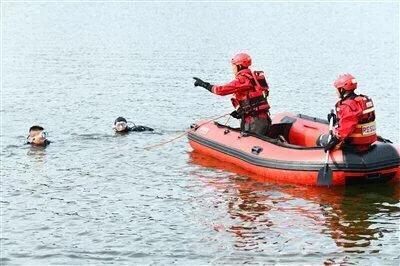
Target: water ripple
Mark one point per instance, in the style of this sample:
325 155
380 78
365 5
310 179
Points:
95 197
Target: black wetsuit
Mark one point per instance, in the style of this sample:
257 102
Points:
136 129
139 129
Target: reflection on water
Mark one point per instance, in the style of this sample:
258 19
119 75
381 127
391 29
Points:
37 153
36 150
250 210
351 216
355 218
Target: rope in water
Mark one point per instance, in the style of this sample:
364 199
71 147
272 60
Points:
185 133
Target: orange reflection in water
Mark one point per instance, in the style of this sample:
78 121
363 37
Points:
352 216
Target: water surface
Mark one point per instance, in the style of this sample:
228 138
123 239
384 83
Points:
92 197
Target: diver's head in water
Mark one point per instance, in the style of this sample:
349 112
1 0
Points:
37 136
120 124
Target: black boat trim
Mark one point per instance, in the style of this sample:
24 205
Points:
352 164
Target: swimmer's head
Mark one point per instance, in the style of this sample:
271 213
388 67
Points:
37 136
120 124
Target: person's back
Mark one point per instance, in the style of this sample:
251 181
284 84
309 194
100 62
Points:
140 128
355 117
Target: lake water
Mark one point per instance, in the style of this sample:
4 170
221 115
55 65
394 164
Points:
92 197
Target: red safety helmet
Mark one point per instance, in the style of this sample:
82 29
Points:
241 59
346 82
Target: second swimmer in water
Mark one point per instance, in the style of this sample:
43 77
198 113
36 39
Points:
121 126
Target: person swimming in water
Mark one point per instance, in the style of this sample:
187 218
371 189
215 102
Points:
37 136
121 126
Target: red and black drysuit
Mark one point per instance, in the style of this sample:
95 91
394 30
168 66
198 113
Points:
250 91
355 122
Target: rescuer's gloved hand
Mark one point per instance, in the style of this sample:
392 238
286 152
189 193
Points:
332 143
332 116
235 114
200 83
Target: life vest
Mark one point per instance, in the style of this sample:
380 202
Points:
256 101
365 131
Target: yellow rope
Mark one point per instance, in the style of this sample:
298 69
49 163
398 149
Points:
227 120
184 133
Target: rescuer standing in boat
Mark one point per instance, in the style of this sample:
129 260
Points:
355 119
250 90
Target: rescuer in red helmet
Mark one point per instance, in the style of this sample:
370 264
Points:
250 91
354 119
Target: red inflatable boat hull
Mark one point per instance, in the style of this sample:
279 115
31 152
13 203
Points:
298 162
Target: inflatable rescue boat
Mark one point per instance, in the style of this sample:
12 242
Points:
289 153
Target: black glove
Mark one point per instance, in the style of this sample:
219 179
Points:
332 116
332 143
236 115
200 83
